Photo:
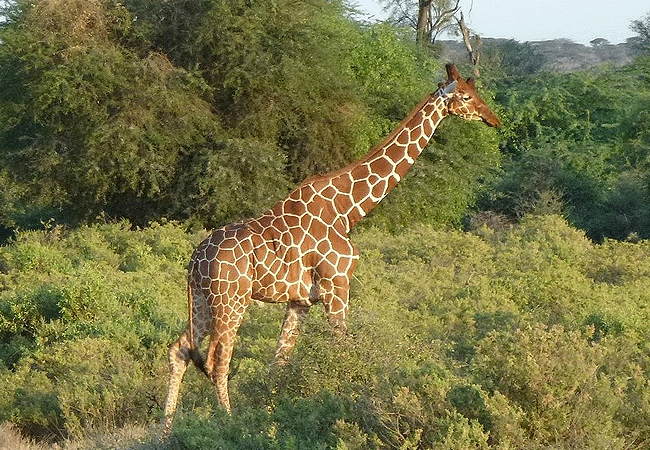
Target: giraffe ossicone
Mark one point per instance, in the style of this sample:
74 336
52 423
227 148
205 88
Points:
298 252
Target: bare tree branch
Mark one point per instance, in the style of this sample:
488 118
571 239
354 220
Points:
433 18
472 50
444 17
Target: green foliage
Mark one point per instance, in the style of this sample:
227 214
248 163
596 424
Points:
581 136
90 127
508 339
514 58
273 78
203 111
85 317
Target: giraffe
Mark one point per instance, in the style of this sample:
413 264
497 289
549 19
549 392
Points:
298 252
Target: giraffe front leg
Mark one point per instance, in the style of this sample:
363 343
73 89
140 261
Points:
179 357
290 331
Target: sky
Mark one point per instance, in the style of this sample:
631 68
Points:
538 20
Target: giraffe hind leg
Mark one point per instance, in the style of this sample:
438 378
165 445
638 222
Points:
219 355
179 358
180 353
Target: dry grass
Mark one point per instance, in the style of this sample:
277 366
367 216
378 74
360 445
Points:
130 438
10 439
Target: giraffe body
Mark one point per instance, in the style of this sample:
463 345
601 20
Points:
298 252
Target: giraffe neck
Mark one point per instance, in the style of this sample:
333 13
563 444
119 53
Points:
367 181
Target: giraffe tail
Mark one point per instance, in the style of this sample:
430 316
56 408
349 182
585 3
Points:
195 355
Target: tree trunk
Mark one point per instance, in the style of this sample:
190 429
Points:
422 33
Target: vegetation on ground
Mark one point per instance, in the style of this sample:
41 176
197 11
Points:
527 337
501 299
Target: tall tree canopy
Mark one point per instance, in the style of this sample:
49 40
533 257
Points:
201 110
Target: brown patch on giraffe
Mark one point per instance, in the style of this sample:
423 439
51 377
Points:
414 151
381 167
318 228
291 206
316 209
360 190
416 120
342 182
361 172
203 266
338 242
427 128
292 221
343 203
279 223
402 167
323 246
367 204
415 134
403 137
379 189
329 192
305 222
242 265
237 252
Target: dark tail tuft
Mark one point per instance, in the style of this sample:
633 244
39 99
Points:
197 359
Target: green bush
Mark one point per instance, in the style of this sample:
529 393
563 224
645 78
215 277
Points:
85 317
511 339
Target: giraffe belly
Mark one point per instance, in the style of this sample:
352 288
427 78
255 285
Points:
279 282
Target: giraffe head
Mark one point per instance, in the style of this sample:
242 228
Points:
464 101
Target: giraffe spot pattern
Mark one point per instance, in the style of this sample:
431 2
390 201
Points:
299 252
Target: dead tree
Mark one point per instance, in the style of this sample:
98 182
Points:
472 44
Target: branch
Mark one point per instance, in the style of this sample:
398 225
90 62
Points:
472 52
443 17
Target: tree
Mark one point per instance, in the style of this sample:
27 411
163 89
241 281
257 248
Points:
89 126
434 17
598 42
431 18
641 43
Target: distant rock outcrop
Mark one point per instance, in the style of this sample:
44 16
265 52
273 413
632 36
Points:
560 55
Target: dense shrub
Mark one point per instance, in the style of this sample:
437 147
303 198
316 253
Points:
532 337
583 136
85 317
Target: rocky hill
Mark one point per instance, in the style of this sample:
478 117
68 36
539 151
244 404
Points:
560 55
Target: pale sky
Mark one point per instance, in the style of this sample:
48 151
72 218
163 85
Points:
537 20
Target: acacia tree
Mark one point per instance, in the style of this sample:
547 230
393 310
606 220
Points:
89 126
429 18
